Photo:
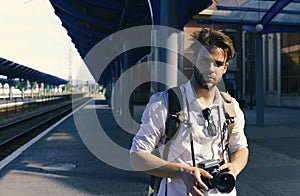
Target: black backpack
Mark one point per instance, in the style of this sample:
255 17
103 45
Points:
174 118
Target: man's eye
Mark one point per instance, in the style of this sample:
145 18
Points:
219 64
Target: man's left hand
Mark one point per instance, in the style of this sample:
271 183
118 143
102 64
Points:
229 167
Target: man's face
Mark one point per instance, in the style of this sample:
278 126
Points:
211 65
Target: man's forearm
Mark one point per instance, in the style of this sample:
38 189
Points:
191 176
156 166
239 159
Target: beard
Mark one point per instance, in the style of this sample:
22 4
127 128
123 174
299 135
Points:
200 80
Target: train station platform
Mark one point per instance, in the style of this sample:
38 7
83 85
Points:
15 102
59 162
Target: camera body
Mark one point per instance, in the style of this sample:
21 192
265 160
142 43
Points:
222 180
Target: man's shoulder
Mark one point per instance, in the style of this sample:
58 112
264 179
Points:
157 99
158 96
163 95
227 97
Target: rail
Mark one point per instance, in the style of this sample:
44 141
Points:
17 133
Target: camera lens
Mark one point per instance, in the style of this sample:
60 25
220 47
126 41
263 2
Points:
224 182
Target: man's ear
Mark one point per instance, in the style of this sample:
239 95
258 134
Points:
225 67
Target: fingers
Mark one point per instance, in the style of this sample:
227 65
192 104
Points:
228 167
205 174
193 181
200 183
194 191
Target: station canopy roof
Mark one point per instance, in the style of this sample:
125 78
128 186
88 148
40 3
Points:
89 21
14 70
274 15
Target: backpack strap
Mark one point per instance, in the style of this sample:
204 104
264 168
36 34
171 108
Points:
230 114
174 118
229 111
228 104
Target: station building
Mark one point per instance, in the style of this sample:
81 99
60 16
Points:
281 65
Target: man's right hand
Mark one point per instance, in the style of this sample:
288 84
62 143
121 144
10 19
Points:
153 165
191 177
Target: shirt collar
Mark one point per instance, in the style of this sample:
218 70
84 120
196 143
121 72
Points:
191 95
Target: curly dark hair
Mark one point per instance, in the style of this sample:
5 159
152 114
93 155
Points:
211 38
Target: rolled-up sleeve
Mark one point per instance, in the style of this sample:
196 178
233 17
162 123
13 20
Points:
238 138
152 125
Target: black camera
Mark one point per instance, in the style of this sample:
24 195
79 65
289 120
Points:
221 180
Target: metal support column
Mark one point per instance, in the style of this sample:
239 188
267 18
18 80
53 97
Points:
155 60
271 64
3 93
243 64
126 86
278 50
32 89
114 100
259 80
10 84
39 90
23 83
180 59
169 17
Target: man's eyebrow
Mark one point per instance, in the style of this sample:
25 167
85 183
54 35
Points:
220 63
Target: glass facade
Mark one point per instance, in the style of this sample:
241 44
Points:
290 67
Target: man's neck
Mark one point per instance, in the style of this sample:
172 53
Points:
205 96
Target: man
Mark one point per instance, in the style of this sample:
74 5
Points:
196 142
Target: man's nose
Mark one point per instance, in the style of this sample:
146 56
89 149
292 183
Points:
211 66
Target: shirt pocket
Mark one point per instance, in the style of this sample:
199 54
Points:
200 135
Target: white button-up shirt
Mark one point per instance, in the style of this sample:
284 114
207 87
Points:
207 148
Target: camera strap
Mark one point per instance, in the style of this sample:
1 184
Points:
189 125
229 111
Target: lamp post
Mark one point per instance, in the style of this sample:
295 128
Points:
259 76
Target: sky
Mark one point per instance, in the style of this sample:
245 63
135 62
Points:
32 35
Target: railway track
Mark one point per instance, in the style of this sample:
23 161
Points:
17 133
12 110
